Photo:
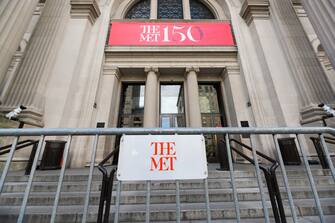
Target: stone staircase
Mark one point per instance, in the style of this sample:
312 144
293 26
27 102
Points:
163 207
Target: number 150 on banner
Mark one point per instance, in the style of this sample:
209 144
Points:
171 33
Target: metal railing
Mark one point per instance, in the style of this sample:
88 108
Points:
106 188
270 177
228 132
319 149
22 145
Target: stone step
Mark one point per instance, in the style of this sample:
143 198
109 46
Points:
160 196
164 212
82 174
156 185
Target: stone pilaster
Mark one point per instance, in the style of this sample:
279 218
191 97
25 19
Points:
186 9
153 9
107 107
322 16
85 9
252 9
193 97
150 99
15 15
309 77
31 80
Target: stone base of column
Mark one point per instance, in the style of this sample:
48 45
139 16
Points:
312 113
30 116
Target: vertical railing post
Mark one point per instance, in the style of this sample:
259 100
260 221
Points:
90 177
30 181
117 202
60 180
178 201
102 201
260 184
147 205
285 179
325 149
310 178
232 179
8 162
279 200
208 208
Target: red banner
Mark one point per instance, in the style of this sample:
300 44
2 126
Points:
171 34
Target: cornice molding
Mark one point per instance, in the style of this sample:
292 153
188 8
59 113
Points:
85 9
255 9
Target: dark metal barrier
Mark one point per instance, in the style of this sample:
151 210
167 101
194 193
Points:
270 177
106 188
21 145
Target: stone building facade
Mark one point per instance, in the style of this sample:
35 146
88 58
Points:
56 60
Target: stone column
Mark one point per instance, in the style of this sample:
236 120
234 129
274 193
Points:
307 72
15 15
322 16
151 98
193 97
29 86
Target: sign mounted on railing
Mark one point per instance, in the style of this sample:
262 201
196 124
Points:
162 157
171 34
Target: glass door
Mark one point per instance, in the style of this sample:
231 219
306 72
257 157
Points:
172 109
132 106
210 100
131 111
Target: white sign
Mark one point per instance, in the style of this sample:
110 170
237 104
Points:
162 157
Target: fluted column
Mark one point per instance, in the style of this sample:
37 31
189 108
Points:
322 16
309 77
193 97
15 15
30 83
151 98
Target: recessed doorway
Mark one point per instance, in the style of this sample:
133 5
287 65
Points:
212 115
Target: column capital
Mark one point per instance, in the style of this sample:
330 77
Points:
252 9
112 70
85 9
151 69
192 68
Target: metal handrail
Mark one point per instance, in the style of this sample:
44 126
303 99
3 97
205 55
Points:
158 131
271 180
257 152
106 188
21 145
